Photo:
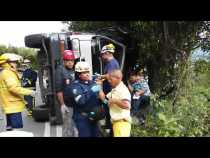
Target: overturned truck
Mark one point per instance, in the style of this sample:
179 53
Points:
87 48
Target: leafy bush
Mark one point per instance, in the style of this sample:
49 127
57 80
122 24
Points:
189 117
159 122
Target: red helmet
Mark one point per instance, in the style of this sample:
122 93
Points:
68 55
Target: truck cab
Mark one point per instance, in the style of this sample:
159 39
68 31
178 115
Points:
87 47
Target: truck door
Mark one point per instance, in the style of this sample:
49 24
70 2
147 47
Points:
97 43
97 64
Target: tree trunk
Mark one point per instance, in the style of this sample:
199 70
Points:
153 68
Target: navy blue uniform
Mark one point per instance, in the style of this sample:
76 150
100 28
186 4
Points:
29 78
63 78
83 101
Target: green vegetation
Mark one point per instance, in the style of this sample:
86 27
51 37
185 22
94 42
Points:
189 116
181 104
164 47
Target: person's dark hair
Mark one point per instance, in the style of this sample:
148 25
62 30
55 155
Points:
133 73
140 73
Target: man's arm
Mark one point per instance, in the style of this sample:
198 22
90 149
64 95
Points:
80 96
122 103
58 85
13 84
103 77
60 98
59 80
101 95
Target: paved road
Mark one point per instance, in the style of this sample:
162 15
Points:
39 129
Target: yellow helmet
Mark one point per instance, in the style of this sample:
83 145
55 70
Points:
108 48
82 67
3 59
9 57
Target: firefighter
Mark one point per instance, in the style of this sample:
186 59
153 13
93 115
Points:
11 92
85 94
28 80
107 55
64 76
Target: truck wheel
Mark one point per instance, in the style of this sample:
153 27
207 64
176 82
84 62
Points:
34 41
40 113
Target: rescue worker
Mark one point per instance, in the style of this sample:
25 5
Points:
119 101
28 80
64 76
110 64
85 94
11 92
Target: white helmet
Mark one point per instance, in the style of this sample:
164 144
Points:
108 48
9 57
82 67
26 61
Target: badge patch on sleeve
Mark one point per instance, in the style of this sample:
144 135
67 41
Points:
67 81
74 91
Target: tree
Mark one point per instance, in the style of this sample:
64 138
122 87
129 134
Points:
164 47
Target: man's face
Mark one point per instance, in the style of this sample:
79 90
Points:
132 79
114 80
84 76
69 64
104 56
140 77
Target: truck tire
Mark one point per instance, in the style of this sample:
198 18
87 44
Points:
40 113
34 41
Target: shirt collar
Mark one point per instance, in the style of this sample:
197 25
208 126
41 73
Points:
118 86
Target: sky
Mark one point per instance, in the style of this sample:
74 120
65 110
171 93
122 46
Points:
199 54
13 32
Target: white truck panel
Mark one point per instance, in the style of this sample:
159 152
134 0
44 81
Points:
85 48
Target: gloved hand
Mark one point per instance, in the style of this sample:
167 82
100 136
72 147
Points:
96 88
34 93
64 109
105 101
91 115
